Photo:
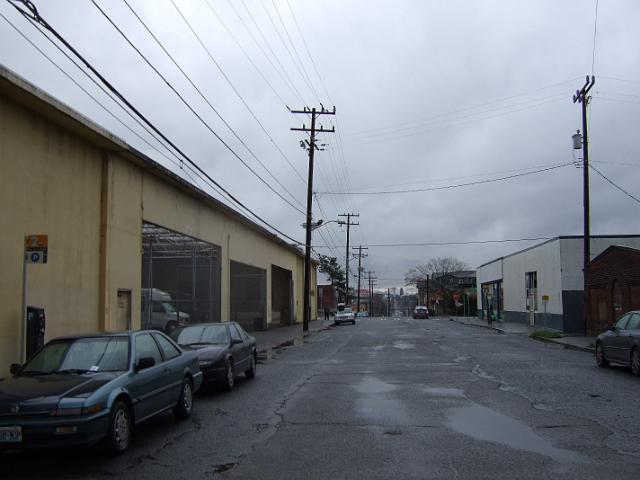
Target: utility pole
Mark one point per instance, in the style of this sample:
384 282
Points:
311 146
370 279
372 283
348 224
359 256
427 304
582 97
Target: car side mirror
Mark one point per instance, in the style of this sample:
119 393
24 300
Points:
612 328
235 341
145 362
15 368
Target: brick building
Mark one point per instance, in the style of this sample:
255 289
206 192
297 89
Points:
613 279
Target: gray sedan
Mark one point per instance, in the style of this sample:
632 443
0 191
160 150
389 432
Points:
82 389
621 343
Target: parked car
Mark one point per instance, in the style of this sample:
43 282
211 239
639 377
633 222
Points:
346 315
159 312
83 389
225 350
621 343
363 314
420 312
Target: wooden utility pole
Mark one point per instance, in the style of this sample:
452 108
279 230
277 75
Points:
582 96
370 279
348 224
311 146
359 256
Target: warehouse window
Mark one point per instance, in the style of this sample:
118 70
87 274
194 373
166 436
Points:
180 279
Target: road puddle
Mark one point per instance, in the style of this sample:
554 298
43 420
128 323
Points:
376 402
373 385
485 424
444 392
403 345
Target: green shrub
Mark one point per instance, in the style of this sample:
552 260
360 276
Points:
544 334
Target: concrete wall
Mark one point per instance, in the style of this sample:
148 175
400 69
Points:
50 184
543 259
61 177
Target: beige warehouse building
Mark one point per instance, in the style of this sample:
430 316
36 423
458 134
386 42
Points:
130 244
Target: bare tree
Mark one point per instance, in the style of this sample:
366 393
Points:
434 268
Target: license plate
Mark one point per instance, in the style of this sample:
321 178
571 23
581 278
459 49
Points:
10 434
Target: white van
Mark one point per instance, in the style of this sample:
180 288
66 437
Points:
162 315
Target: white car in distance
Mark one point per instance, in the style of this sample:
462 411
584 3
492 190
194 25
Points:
345 316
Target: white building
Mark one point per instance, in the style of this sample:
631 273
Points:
542 285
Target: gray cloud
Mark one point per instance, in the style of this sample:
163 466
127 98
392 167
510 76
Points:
385 64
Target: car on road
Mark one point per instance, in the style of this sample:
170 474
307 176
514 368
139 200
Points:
621 343
362 314
420 312
87 388
225 350
346 315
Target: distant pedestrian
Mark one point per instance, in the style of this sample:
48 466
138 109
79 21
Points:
327 313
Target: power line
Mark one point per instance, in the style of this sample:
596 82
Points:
340 151
614 184
445 244
178 161
306 47
286 76
228 80
33 15
246 54
422 127
300 67
186 76
624 80
446 187
449 179
471 108
190 107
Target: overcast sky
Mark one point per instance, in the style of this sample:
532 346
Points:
427 94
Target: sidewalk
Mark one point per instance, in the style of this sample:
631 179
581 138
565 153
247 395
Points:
276 337
573 342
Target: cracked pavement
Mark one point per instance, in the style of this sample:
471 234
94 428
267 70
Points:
389 398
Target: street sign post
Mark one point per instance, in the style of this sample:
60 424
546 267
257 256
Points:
36 249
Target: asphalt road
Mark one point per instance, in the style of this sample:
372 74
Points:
389 398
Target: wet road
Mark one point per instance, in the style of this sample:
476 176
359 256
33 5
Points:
390 398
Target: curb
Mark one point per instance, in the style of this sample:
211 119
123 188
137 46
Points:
489 327
264 352
568 346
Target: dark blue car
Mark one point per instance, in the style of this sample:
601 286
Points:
83 389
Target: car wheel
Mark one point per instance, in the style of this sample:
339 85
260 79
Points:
229 378
120 428
600 360
184 406
635 362
251 372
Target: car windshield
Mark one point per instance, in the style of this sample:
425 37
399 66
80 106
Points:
347 310
168 307
81 355
215 334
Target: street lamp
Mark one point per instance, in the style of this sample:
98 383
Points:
321 222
